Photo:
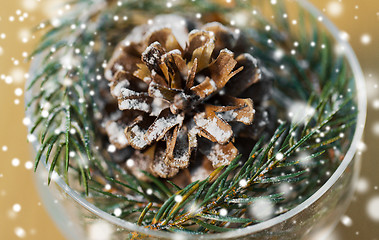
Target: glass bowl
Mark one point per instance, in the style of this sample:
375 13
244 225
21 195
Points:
314 218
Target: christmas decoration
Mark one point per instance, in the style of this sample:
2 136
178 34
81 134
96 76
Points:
184 114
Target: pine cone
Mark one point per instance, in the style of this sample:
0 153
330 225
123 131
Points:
176 87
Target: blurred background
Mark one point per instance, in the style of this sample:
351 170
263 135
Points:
21 213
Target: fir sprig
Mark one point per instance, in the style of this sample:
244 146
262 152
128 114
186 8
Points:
65 112
231 188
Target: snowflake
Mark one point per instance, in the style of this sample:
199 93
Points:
223 212
28 165
366 39
15 162
347 221
117 212
100 230
334 8
178 198
20 232
375 128
262 209
16 208
372 208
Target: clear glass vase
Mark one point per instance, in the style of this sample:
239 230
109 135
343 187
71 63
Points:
314 218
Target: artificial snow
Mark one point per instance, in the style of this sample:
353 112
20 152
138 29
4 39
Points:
117 89
138 140
181 154
161 125
228 116
158 105
126 93
212 128
218 157
153 91
172 52
251 59
152 48
134 104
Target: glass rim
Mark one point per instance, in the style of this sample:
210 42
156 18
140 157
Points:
362 109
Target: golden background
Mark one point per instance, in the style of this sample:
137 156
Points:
21 212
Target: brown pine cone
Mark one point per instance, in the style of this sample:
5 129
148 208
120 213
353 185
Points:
176 87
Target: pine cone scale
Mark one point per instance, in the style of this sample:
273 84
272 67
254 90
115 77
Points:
201 45
156 90
218 154
205 89
178 149
214 128
136 131
248 76
222 68
164 122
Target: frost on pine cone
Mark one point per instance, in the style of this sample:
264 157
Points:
179 87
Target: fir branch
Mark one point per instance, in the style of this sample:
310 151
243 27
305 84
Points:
234 190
